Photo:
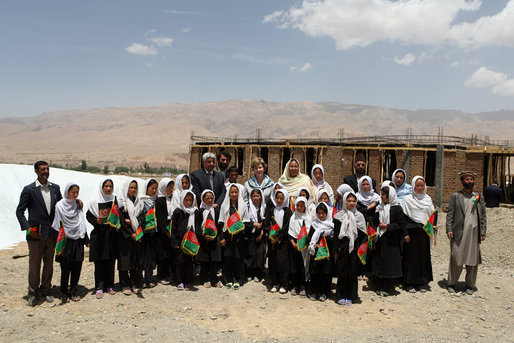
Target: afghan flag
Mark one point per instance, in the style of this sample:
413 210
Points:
139 233
61 242
362 252
168 229
322 253
476 199
150 220
430 225
114 216
302 238
335 209
235 224
291 206
190 245
274 231
31 229
371 233
209 229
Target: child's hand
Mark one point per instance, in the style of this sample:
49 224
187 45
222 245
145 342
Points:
223 242
406 239
382 226
100 220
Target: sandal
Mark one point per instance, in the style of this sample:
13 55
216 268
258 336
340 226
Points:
235 286
99 294
323 298
228 285
302 293
341 302
127 291
348 302
180 287
111 291
75 298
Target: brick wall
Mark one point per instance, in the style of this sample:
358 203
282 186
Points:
332 164
274 158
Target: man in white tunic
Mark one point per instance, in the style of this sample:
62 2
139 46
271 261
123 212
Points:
466 227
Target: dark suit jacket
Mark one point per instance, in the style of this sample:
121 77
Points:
200 182
455 216
351 180
32 199
493 196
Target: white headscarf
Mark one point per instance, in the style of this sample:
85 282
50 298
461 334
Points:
325 227
72 218
384 210
147 199
189 210
319 193
161 193
100 198
278 211
175 200
133 208
207 209
322 183
253 210
418 207
369 197
309 199
225 208
298 219
351 222
293 184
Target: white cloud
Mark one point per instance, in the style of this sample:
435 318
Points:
141 49
498 82
306 66
149 32
430 23
472 61
186 30
161 41
406 60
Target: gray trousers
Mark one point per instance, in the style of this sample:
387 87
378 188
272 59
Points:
455 270
41 251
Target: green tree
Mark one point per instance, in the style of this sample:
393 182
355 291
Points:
83 165
106 169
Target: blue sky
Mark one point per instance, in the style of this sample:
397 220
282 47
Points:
410 54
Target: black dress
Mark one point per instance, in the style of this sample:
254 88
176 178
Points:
163 239
278 253
233 254
127 247
417 264
387 261
147 251
183 263
296 264
347 264
255 253
209 254
320 271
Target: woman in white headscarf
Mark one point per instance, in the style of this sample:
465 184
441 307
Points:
322 195
292 179
278 216
417 264
349 223
131 212
163 213
182 183
320 271
318 181
401 187
209 255
103 238
367 199
71 218
148 249
389 223
255 238
298 259
232 241
184 219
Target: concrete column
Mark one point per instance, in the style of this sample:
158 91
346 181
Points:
439 177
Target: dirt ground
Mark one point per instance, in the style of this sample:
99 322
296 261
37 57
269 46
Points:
252 314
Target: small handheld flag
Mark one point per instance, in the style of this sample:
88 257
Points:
371 233
61 242
190 245
168 229
209 229
430 225
31 229
235 224
323 253
476 199
150 220
302 238
139 233
274 231
113 219
362 252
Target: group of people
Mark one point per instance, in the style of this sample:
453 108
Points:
297 227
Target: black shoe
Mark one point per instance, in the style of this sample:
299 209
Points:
32 300
470 291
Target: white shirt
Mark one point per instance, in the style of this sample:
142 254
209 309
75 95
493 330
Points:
45 192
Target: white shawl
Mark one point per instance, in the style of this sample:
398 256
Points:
161 193
253 209
225 209
322 183
384 210
207 209
175 200
278 211
100 198
418 207
298 219
133 208
71 217
325 227
189 210
369 197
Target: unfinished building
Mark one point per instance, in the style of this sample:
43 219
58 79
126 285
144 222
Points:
435 157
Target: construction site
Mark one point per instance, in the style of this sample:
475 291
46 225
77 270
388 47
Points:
437 158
